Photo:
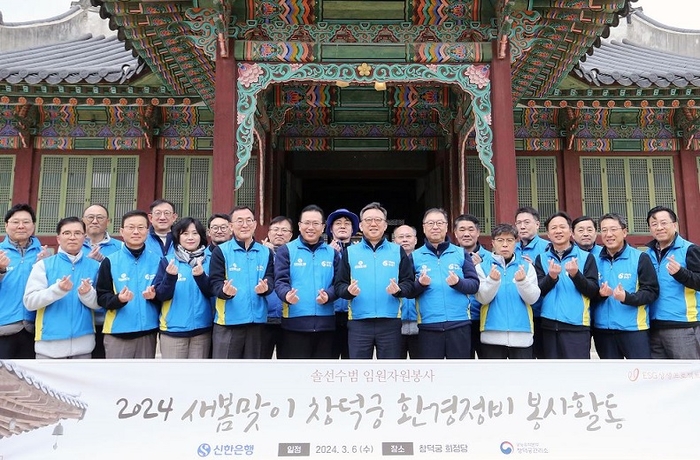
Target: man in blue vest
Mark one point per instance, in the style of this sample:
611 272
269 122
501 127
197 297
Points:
162 216
124 289
18 252
568 279
446 278
241 275
219 230
60 289
675 326
585 234
341 225
467 231
527 221
374 274
98 245
628 284
279 233
406 237
508 287
304 270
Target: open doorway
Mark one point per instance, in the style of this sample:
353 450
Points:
398 196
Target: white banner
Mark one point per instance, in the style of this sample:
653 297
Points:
350 409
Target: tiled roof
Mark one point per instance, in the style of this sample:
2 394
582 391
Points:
627 64
28 404
86 59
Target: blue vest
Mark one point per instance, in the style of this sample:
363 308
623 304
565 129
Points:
245 269
610 313
308 273
155 244
439 302
408 310
534 248
12 308
189 309
110 247
373 271
676 302
138 314
507 311
564 302
67 317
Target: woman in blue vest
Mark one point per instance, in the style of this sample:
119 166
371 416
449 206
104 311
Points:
182 285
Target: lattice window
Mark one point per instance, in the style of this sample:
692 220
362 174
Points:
629 186
187 183
69 184
7 182
480 197
537 185
245 196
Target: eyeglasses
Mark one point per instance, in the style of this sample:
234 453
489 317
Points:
523 222
139 228
98 218
610 230
373 220
504 240
162 213
433 223
279 230
311 223
219 228
240 222
77 233
660 224
17 222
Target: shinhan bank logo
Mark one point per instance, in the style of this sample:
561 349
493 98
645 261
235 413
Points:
506 448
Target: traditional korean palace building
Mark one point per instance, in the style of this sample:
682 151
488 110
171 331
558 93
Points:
472 105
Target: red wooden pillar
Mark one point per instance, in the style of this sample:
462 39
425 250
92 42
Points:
458 176
150 175
26 185
224 155
503 137
691 194
570 185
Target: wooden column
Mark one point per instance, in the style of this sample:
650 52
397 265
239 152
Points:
690 191
458 175
570 185
224 155
150 175
503 137
26 185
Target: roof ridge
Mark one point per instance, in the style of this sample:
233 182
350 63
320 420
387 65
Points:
657 51
36 49
640 12
73 9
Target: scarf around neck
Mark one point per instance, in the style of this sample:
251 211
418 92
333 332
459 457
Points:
190 257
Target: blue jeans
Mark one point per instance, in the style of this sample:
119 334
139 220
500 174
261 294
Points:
366 334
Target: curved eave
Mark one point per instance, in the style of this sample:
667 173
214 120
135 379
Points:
86 59
628 64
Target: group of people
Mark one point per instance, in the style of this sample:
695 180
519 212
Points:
201 291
